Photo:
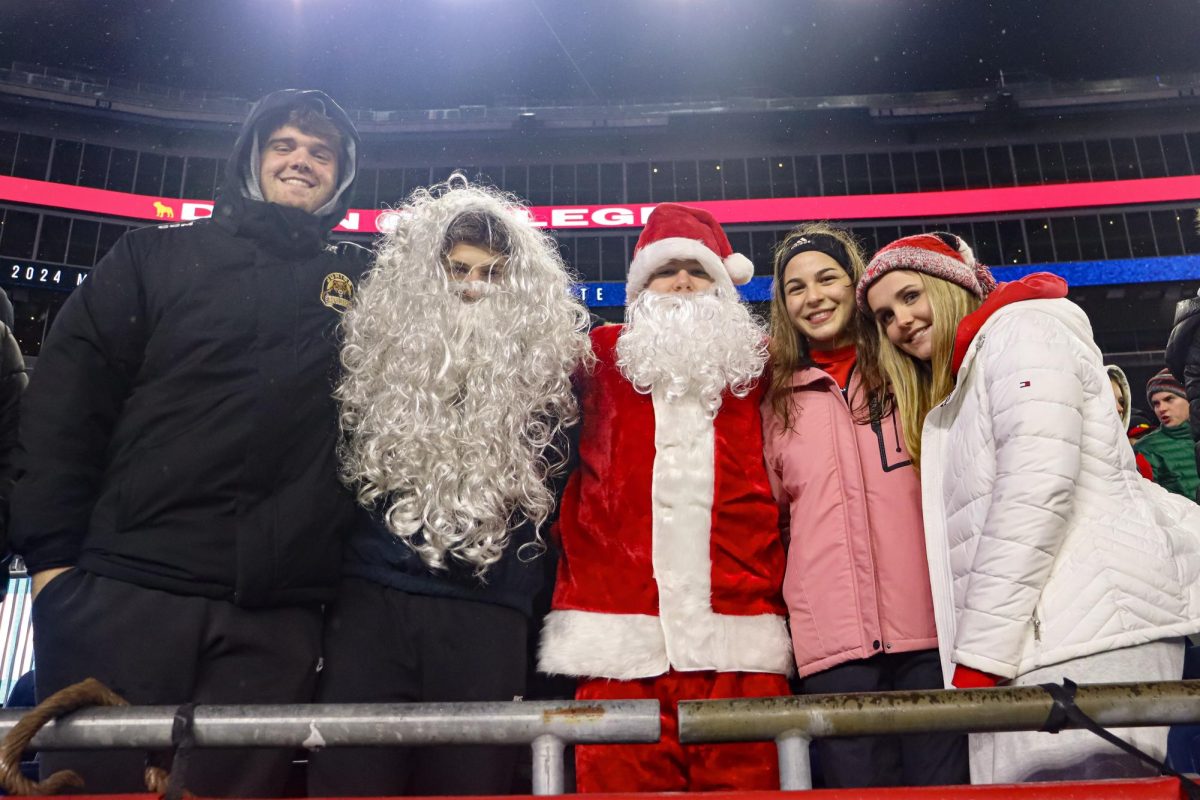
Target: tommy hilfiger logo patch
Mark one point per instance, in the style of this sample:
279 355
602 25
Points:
1023 385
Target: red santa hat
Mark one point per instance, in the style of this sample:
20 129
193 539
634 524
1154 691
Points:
675 232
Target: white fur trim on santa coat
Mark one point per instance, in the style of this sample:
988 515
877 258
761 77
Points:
655 254
590 644
593 644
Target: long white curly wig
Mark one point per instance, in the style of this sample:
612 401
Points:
452 410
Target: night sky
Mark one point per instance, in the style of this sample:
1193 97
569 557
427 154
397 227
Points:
391 54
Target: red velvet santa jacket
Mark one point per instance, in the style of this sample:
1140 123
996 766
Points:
671 554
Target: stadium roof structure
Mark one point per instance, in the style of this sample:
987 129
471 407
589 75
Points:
147 100
439 54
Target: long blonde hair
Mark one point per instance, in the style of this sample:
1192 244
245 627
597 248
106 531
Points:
916 385
789 349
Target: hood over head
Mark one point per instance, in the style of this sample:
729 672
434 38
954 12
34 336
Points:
241 171
1117 375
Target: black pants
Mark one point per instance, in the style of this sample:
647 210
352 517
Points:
914 759
157 648
387 646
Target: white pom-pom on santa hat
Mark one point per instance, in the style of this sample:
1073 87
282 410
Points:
740 268
682 233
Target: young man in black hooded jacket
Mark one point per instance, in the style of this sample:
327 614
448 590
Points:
180 510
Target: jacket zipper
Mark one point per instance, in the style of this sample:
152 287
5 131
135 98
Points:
845 395
940 578
1037 627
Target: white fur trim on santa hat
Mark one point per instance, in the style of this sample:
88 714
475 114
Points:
655 254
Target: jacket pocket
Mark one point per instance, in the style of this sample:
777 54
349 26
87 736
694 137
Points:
173 485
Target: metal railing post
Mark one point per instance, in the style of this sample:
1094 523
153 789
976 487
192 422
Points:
547 765
795 766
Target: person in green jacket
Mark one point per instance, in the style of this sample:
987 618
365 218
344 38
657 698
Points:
1170 449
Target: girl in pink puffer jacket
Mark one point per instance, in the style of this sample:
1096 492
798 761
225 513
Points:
857 581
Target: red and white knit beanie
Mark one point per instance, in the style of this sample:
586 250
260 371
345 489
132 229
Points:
942 255
674 232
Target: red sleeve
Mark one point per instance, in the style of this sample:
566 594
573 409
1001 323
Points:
967 678
1144 467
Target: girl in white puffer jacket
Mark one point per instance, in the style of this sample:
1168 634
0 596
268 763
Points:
1050 557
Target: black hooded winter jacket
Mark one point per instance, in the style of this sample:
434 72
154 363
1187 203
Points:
179 432
1183 359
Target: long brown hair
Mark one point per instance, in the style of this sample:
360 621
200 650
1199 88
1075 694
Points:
916 385
789 350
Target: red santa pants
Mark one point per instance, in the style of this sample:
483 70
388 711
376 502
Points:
669 766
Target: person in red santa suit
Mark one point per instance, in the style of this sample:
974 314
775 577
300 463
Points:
669 582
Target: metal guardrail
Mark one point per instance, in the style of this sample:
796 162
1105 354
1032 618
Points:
546 726
793 722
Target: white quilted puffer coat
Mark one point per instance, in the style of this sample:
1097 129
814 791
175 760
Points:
1044 543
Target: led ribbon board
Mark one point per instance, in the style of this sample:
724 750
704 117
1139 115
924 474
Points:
956 203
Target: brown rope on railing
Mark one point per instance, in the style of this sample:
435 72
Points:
85 694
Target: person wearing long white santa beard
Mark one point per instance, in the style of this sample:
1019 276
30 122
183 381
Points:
455 400
671 567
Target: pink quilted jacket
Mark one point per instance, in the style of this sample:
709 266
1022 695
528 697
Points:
857 582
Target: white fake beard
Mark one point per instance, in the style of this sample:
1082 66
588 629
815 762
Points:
459 442
692 344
